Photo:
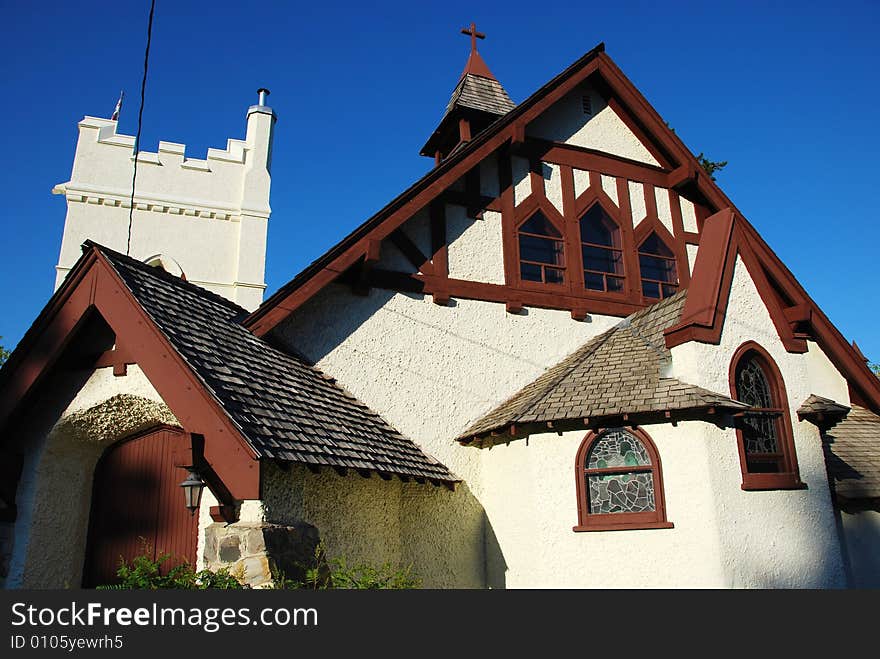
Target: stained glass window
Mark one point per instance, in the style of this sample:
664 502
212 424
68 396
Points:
619 474
541 254
760 427
600 248
658 269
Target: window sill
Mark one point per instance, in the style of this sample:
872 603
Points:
763 482
623 527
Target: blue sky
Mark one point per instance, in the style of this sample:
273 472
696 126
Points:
788 96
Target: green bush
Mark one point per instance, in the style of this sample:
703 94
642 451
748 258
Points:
326 574
144 573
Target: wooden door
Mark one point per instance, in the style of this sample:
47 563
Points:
137 507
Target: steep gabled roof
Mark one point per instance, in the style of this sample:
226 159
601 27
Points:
619 372
276 403
680 166
286 408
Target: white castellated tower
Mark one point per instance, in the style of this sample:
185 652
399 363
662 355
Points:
204 219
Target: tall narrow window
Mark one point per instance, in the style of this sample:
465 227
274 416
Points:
766 448
541 254
600 248
619 482
657 265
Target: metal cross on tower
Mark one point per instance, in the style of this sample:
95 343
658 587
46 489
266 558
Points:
472 31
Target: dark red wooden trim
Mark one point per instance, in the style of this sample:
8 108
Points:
790 478
413 254
118 358
587 521
682 176
703 314
704 310
678 244
505 186
587 159
98 288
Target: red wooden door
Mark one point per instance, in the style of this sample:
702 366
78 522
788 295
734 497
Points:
137 507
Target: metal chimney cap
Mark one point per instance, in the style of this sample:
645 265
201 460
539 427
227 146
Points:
262 93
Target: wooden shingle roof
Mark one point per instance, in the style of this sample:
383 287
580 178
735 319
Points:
619 372
285 408
852 455
480 93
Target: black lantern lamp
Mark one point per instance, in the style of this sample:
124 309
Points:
192 490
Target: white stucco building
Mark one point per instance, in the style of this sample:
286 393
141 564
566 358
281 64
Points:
562 358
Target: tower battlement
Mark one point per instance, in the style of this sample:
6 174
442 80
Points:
208 215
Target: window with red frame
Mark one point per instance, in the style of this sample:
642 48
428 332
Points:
601 251
541 253
767 454
658 268
619 482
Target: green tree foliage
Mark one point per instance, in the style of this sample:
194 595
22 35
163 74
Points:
711 166
875 368
4 354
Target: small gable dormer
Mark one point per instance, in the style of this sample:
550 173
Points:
477 101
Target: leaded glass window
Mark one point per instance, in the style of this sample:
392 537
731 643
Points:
619 475
601 252
658 269
541 253
619 482
761 426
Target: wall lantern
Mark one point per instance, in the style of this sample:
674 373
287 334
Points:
192 491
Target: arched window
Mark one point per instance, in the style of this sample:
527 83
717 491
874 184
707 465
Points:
167 264
766 448
619 482
541 254
658 270
600 248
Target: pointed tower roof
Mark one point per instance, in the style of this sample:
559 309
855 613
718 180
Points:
478 99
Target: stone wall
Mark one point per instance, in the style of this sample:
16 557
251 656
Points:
257 552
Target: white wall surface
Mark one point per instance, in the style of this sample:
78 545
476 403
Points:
531 507
602 130
773 538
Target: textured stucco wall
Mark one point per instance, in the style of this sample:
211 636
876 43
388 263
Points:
432 371
373 521
774 538
637 202
62 440
861 531
475 252
603 130
531 507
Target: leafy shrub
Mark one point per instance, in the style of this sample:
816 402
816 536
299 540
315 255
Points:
144 573
326 574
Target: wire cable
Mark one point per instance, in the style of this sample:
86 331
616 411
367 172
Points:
137 139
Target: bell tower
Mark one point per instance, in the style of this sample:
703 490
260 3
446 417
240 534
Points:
477 100
205 220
